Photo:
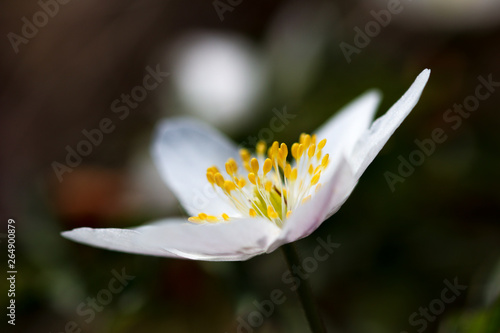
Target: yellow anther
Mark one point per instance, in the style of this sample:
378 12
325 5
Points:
271 212
212 219
306 199
229 169
219 180
231 166
295 148
247 167
210 177
307 140
311 150
283 151
261 147
315 179
313 138
324 161
275 147
300 151
269 194
268 165
195 219
322 144
251 178
255 165
245 155
241 182
213 169
229 186
319 153
288 170
268 186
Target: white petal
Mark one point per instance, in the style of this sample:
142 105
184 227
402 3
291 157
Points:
309 216
123 240
344 129
239 239
373 140
183 149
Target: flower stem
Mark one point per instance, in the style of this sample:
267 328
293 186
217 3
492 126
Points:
303 290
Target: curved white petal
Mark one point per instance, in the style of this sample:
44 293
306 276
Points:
183 149
309 216
344 129
373 140
123 240
239 239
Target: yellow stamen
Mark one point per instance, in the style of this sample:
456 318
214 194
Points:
261 147
271 212
274 191
245 155
268 186
212 219
321 144
255 165
324 162
219 180
229 186
241 182
268 165
210 177
295 148
231 167
312 149
251 178
315 179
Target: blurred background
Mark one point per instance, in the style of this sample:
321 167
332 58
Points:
68 65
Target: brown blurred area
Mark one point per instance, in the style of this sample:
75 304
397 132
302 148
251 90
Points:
64 80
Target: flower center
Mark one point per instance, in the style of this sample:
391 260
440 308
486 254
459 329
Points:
270 187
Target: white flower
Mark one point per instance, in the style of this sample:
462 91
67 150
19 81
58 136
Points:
240 210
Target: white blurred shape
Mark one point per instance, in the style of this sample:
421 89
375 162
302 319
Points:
217 77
